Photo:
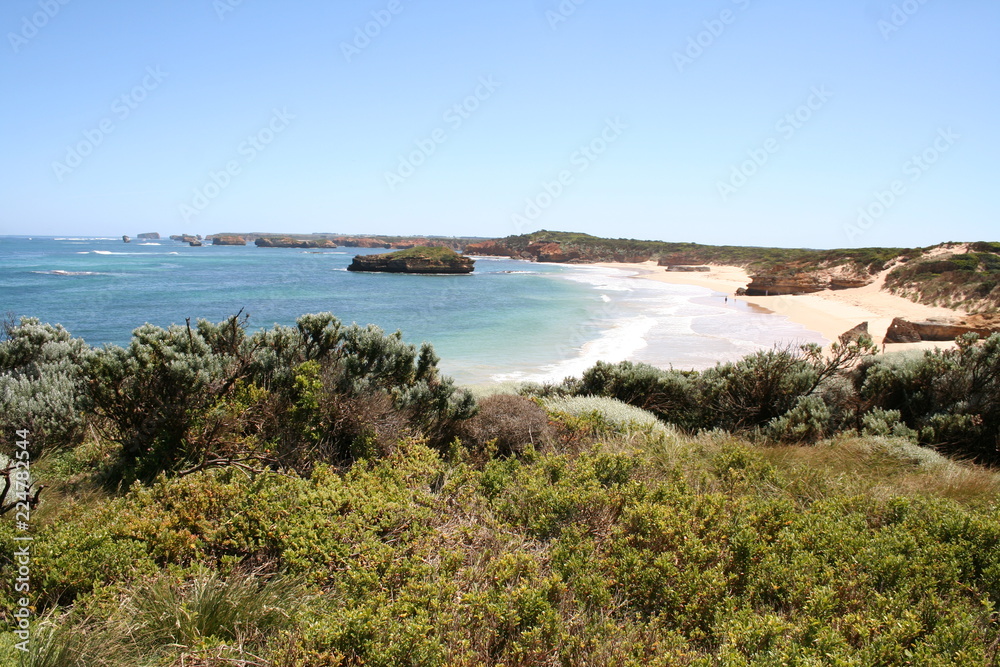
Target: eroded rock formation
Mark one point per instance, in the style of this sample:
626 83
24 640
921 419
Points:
904 331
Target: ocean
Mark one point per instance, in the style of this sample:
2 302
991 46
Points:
509 321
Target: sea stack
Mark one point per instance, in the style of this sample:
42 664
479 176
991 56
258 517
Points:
421 259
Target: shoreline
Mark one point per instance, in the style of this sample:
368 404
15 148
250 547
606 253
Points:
829 313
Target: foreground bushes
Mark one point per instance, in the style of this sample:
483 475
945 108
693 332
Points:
184 398
705 554
318 495
945 399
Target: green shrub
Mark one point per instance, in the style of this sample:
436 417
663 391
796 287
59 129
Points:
673 396
42 384
186 398
950 397
808 421
880 422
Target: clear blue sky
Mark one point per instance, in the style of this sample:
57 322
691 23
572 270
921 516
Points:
786 119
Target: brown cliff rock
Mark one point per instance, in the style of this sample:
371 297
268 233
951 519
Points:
778 285
904 331
855 334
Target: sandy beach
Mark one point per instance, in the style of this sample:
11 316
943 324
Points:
830 312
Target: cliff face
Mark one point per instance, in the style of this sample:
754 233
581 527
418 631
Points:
778 285
491 249
417 260
800 283
228 240
289 242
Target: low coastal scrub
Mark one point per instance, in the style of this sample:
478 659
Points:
775 261
969 280
318 495
948 400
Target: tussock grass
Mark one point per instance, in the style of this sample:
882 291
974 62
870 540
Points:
243 608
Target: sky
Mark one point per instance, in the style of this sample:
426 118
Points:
793 123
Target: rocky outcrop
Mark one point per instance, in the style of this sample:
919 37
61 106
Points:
228 240
125 238
847 283
289 242
904 331
680 268
800 283
985 321
184 238
552 252
149 236
855 334
421 259
901 331
195 243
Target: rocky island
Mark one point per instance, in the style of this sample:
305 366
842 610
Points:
421 259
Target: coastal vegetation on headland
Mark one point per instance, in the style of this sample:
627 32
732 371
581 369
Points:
954 275
321 495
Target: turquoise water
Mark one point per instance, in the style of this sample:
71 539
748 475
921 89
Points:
510 320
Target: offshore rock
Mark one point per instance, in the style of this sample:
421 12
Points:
421 259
